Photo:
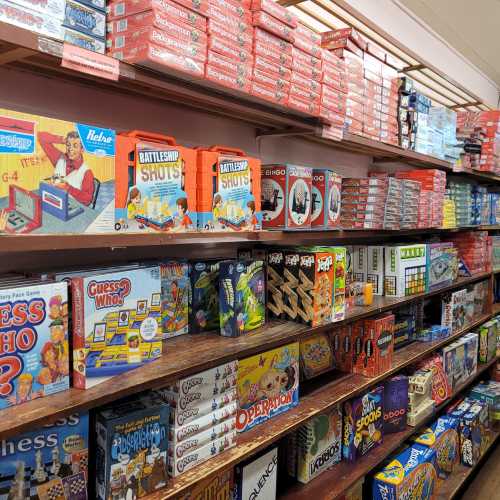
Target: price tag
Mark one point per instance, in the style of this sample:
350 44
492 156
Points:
90 62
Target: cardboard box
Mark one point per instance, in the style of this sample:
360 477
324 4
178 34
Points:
275 10
326 186
269 23
405 270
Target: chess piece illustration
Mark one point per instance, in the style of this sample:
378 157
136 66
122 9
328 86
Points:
40 474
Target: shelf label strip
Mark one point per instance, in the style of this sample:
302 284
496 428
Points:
89 62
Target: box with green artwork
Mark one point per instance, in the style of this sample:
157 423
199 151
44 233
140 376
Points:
405 270
204 312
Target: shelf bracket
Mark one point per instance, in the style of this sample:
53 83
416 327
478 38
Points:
415 67
15 55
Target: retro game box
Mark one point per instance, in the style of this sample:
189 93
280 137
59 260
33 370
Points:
286 196
242 296
34 354
268 385
204 311
47 463
405 270
175 298
228 190
57 176
155 183
316 355
375 268
325 199
442 265
116 323
132 445
319 444
363 424
411 474
218 487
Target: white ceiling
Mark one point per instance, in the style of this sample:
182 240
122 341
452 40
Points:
471 28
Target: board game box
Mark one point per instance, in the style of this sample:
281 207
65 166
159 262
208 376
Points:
275 277
453 310
155 184
375 268
405 270
268 385
442 265
116 323
132 445
228 190
34 354
204 311
395 404
290 284
363 424
219 487
325 199
242 296
57 176
175 298
316 355
48 463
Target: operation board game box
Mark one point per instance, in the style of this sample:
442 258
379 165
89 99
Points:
131 453
57 176
116 323
155 184
268 385
175 298
242 294
50 462
204 311
34 354
257 475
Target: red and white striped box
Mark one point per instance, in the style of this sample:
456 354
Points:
227 49
301 58
307 46
275 10
274 96
120 8
267 80
157 37
334 81
225 79
303 106
232 23
273 42
229 65
280 58
306 83
272 68
238 8
243 40
268 23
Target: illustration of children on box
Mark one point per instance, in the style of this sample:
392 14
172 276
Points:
217 205
251 219
70 170
24 391
183 222
134 206
54 355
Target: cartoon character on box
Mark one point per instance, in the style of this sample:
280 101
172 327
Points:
204 312
58 177
156 183
228 187
47 463
34 359
116 323
268 384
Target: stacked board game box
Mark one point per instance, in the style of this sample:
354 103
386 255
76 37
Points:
474 252
409 203
325 199
49 462
461 193
202 416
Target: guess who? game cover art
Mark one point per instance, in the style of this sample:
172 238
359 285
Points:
34 353
48 463
116 323
268 384
57 176
228 196
156 184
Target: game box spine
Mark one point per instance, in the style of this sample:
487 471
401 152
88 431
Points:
100 461
78 333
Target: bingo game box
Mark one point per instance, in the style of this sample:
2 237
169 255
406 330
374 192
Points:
363 424
268 384
204 310
34 354
286 196
228 190
57 176
325 199
132 445
50 462
156 184
116 323
175 298
242 294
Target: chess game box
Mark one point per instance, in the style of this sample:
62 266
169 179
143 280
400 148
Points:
116 323
50 462
57 176
132 446
34 353
405 270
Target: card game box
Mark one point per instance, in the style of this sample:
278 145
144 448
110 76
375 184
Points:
58 176
204 310
132 445
363 424
342 345
242 296
49 462
175 298
316 355
405 270
268 385
395 404
116 323
325 202
286 196
375 268
34 355
410 474
319 444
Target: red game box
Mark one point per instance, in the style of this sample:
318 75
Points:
304 106
267 80
375 51
342 348
263 20
275 10
236 24
305 95
226 79
243 40
273 42
301 58
308 34
334 83
331 59
305 83
275 96
272 68
351 33
228 65
262 49
307 46
235 52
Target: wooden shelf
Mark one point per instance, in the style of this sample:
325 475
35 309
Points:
314 403
332 483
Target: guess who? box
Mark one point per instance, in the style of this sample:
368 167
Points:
57 176
325 210
268 385
156 184
228 190
286 196
34 353
116 323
